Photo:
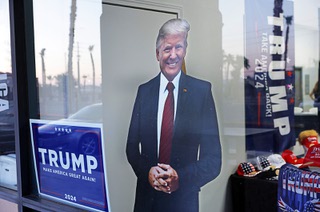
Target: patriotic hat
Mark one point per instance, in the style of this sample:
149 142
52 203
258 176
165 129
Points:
312 157
246 169
263 163
276 160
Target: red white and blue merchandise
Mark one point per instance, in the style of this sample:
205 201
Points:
69 163
298 190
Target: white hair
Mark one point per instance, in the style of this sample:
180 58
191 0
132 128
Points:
173 27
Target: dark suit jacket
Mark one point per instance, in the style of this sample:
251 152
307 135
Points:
196 150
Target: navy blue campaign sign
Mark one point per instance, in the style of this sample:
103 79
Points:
298 190
69 161
269 74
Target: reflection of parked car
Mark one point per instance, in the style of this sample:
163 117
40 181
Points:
60 135
8 170
91 113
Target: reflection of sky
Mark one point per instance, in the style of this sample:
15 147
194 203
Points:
257 26
305 17
5 50
53 35
307 39
306 12
232 31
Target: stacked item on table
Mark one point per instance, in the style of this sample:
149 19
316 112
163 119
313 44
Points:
267 166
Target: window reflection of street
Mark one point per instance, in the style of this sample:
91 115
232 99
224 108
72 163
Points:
68 69
233 78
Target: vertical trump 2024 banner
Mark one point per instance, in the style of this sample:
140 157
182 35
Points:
69 163
269 75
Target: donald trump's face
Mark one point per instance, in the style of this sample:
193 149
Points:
171 53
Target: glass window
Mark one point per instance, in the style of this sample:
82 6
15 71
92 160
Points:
306 41
8 174
262 59
67 138
68 65
274 51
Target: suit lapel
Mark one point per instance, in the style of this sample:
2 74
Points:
153 100
182 104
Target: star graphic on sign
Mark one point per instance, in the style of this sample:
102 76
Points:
288 60
290 87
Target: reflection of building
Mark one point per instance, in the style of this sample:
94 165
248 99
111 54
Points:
6 114
6 88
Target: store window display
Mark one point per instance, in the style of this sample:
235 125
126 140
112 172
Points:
69 77
281 83
293 174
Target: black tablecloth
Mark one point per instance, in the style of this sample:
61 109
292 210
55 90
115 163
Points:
251 194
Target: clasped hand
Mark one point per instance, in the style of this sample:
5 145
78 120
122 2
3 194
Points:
163 178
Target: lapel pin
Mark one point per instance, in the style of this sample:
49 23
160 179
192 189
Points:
185 90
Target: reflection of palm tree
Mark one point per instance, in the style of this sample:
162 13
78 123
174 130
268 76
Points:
277 10
238 65
78 64
50 78
68 108
84 82
61 81
43 67
228 59
246 63
289 22
93 72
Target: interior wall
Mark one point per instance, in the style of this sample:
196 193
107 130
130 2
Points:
205 60
307 53
128 59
